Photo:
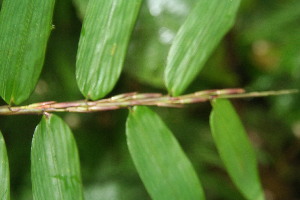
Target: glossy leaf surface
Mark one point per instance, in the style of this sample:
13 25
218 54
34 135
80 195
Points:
235 149
4 171
196 39
103 43
25 26
55 168
161 163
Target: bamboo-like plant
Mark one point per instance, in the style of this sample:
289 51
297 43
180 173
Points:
162 165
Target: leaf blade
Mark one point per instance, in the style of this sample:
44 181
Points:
196 40
103 45
55 168
235 149
162 165
4 171
25 27
80 6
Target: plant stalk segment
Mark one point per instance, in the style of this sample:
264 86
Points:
135 99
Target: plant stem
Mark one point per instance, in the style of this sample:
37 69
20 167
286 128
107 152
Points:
134 99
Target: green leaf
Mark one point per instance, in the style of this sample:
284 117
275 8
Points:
25 26
235 149
55 168
80 6
146 58
195 41
274 24
161 163
4 171
103 43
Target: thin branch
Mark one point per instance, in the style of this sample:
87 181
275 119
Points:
134 99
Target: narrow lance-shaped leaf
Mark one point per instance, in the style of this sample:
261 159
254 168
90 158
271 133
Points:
4 171
25 26
103 43
235 149
55 168
161 163
195 41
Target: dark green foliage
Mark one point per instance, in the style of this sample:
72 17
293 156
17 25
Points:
165 170
235 149
4 171
196 39
25 26
55 169
260 52
103 44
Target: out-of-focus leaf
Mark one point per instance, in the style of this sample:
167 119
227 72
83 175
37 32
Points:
156 27
81 7
4 171
235 149
290 59
275 23
103 43
162 165
196 39
25 26
55 169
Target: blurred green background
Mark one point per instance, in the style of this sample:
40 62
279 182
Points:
261 52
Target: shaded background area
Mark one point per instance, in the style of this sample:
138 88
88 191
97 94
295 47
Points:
261 52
